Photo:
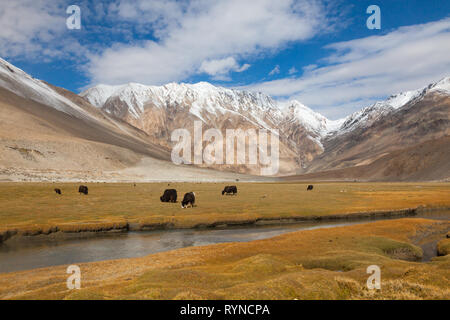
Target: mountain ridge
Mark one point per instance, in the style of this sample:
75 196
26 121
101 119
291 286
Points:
98 96
51 134
305 134
131 122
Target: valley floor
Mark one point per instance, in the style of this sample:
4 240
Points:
34 208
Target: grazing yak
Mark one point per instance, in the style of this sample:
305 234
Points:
83 189
170 195
229 190
189 198
310 187
58 191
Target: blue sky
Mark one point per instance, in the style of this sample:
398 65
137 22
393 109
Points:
318 52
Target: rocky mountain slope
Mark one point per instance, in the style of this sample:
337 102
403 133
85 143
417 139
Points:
422 162
387 127
309 141
49 133
124 131
158 111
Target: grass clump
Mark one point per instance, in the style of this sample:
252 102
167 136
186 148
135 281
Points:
310 264
392 248
443 247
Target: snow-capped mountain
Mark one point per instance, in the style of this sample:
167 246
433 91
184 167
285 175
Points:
201 99
295 111
368 115
158 110
442 86
205 102
304 134
142 118
378 132
48 133
22 84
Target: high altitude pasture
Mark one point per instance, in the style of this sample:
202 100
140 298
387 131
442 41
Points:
36 205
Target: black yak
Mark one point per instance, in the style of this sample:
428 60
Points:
189 198
310 187
58 191
83 190
229 190
170 195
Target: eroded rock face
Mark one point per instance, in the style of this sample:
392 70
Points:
309 142
111 127
160 110
405 143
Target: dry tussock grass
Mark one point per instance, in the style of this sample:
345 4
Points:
298 265
443 247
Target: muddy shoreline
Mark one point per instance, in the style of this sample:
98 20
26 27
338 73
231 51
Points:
63 232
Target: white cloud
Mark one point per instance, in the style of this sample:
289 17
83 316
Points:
275 70
26 26
156 16
220 68
36 29
190 33
361 71
293 70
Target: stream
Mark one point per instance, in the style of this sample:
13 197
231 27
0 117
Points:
44 251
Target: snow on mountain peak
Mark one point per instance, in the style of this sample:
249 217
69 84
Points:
201 96
365 116
98 95
370 114
206 101
204 98
205 86
399 100
314 121
22 84
442 86
297 111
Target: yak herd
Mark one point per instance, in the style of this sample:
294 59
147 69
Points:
170 195
82 190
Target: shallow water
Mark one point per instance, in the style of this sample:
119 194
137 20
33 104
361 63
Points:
38 252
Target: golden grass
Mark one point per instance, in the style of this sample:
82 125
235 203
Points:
443 247
314 264
34 207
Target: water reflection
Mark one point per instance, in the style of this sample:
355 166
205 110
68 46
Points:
46 251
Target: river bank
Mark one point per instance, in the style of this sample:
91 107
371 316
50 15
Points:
34 209
311 264
31 252
71 231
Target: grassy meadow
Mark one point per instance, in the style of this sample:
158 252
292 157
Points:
314 264
35 206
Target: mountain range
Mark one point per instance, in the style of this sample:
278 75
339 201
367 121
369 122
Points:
123 132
